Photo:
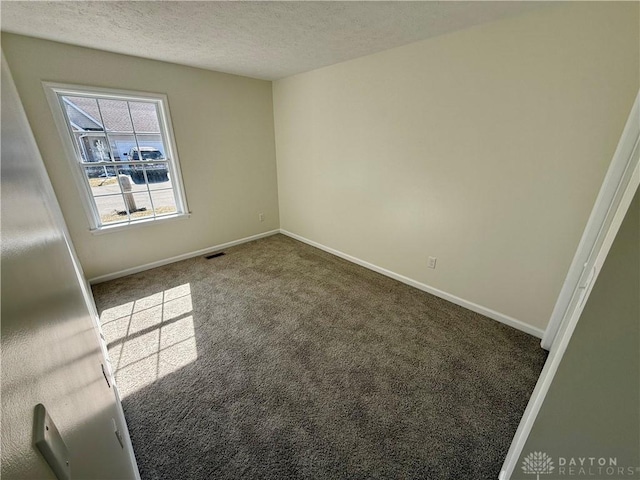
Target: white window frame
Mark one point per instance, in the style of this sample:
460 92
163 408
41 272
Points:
54 92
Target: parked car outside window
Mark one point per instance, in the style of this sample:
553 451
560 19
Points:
156 172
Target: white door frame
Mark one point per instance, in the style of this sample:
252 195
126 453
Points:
617 192
601 216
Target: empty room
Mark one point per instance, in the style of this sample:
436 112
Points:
320 240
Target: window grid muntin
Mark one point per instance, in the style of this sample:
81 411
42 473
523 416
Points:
112 157
140 157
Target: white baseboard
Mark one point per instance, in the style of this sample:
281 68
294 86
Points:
487 312
184 256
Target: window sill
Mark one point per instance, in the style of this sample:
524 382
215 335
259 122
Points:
140 223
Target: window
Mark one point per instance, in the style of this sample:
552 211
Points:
122 152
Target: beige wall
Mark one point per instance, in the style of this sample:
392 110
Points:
593 406
49 345
223 126
485 148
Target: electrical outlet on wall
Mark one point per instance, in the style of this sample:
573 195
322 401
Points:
261 216
432 262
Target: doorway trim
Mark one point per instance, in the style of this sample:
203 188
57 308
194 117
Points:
618 189
607 203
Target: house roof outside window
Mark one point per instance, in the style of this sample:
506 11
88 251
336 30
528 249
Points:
84 115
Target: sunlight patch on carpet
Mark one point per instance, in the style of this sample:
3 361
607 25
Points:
150 337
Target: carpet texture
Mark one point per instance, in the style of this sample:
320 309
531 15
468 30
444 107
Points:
280 361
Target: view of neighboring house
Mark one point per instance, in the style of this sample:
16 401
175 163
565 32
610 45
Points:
128 126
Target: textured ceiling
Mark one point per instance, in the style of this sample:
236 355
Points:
266 40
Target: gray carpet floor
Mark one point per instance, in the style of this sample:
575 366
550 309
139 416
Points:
280 361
